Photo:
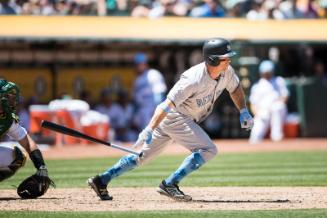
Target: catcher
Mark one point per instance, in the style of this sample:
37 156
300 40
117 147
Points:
13 156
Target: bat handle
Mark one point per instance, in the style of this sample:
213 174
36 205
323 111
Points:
126 149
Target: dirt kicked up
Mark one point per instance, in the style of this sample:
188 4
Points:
145 199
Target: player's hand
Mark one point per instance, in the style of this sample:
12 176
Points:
246 119
144 137
42 172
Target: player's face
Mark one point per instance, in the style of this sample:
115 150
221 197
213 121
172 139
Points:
224 62
140 68
267 76
12 100
214 71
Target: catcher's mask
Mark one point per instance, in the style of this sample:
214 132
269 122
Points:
9 94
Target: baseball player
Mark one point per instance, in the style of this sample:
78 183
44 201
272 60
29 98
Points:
188 103
268 98
149 90
13 156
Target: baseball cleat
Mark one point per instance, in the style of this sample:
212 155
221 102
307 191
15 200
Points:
99 188
173 192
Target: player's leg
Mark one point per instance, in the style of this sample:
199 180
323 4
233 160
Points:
12 158
278 114
127 163
192 136
259 130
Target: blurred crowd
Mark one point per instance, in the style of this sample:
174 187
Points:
129 112
250 9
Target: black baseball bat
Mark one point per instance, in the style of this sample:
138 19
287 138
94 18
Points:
77 134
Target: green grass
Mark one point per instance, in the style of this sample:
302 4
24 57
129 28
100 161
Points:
246 169
173 214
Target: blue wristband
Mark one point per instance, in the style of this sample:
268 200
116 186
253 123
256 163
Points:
164 107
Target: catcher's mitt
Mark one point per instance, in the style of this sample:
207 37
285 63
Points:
34 186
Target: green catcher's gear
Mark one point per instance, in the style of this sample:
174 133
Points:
9 95
9 99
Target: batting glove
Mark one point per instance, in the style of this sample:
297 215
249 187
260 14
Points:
144 137
246 119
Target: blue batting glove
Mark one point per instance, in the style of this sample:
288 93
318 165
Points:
246 119
144 137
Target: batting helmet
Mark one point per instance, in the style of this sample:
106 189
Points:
215 49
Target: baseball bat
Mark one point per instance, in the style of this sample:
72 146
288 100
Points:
77 134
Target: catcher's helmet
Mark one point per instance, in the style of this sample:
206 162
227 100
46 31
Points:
9 95
215 49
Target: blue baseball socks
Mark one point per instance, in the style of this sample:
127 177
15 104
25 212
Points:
125 164
190 164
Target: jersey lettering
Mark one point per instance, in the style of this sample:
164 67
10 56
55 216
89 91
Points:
202 101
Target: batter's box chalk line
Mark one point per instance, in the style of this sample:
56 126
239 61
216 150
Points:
242 201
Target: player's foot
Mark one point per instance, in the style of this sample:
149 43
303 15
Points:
99 188
173 192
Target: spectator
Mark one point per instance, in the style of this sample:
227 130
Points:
47 7
106 102
268 98
305 9
237 8
322 8
86 96
141 8
320 73
210 8
6 8
122 118
257 11
149 90
169 8
105 107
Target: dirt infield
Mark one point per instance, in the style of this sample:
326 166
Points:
224 146
145 199
205 198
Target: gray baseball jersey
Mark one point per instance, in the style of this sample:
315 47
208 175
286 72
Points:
194 96
195 93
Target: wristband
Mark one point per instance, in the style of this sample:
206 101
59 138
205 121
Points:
37 159
164 106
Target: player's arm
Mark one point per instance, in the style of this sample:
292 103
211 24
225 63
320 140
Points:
19 134
35 155
160 113
239 100
28 143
